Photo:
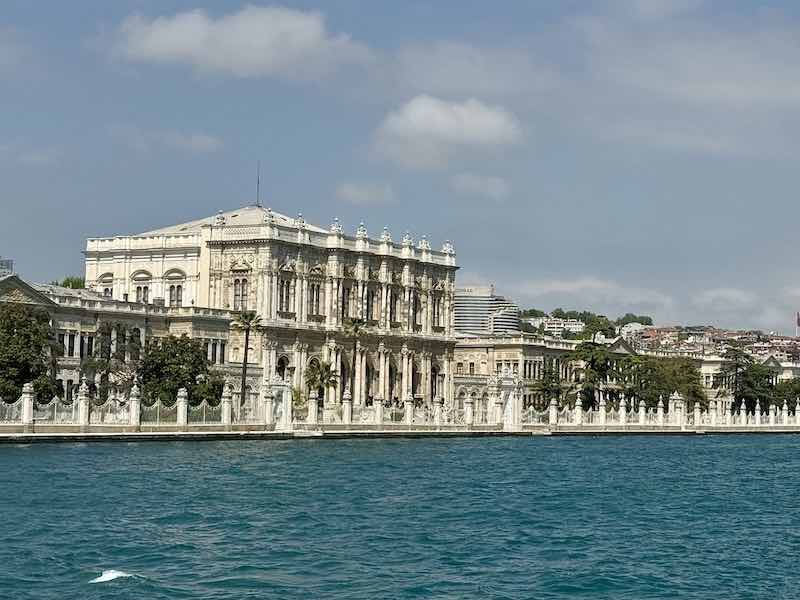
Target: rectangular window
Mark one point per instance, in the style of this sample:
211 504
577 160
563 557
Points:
222 353
89 345
213 352
460 368
71 345
472 368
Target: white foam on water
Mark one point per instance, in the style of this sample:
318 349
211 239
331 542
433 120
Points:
110 575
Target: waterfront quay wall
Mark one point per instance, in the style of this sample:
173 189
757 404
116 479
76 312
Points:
277 418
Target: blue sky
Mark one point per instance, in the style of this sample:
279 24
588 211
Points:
618 155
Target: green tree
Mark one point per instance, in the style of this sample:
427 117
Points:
171 363
632 318
247 321
72 281
353 329
751 381
320 375
532 313
28 351
788 390
597 367
113 361
550 385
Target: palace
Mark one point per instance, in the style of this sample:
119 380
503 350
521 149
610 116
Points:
305 282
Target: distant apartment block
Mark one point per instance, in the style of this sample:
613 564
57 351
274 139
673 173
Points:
555 326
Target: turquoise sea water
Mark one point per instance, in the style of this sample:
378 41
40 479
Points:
709 517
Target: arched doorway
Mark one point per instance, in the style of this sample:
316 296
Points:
282 367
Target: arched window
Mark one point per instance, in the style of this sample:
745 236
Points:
176 295
240 291
141 280
282 367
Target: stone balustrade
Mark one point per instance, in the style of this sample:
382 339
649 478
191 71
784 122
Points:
275 412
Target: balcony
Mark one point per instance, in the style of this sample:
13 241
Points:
315 318
285 314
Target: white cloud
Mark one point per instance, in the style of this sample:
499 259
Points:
656 9
145 141
593 293
256 41
726 299
365 193
28 156
484 186
12 50
449 67
426 131
39 157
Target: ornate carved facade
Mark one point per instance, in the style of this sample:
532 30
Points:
305 282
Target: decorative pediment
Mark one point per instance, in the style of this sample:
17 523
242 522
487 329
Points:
241 263
317 270
289 266
14 289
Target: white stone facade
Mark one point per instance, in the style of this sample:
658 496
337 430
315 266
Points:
305 282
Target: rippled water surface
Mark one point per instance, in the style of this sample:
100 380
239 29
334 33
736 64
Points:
713 517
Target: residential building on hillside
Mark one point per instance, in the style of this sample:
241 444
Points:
555 326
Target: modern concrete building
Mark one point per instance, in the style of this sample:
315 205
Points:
480 311
6 266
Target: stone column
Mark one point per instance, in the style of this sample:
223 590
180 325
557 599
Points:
797 413
697 415
438 402
642 412
135 405
729 415
405 375
773 415
183 408
758 413
226 403
311 419
623 411
269 408
469 415
742 414
408 407
498 409
553 416
712 409
377 404
288 408
785 413
356 392
660 412
83 406
347 406
601 410
28 398
578 410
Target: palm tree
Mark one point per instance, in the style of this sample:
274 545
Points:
353 329
320 375
246 321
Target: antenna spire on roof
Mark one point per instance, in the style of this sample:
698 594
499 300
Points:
258 184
